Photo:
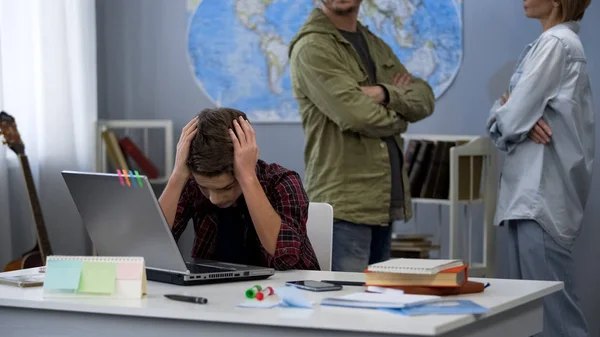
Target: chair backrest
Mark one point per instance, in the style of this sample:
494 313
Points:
319 228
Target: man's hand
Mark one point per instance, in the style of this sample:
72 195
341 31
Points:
540 133
245 150
376 92
183 148
402 80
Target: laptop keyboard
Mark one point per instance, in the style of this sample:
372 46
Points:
198 268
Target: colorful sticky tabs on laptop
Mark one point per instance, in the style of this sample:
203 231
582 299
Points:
62 275
139 179
126 178
98 277
121 177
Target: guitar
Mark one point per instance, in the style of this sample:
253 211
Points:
35 257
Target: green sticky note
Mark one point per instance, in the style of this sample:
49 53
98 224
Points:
62 275
98 277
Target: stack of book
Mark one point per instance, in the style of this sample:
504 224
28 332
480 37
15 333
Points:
412 245
119 152
423 276
427 163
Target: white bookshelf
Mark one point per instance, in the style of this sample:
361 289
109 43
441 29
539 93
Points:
144 125
459 231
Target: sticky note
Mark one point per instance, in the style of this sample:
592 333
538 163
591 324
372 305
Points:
129 288
62 275
97 277
129 271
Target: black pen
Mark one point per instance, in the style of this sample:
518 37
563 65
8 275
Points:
191 299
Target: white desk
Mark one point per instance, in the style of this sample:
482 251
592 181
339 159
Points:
515 309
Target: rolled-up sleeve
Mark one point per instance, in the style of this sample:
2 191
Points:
540 82
290 202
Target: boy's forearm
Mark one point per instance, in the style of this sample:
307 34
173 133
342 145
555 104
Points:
169 198
266 221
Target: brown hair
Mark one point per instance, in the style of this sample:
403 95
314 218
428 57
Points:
573 10
211 150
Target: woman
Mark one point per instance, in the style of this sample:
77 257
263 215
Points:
545 124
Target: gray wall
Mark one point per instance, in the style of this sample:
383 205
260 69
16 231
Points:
144 73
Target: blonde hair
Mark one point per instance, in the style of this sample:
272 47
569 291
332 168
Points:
573 10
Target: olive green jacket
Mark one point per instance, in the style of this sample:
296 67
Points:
346 161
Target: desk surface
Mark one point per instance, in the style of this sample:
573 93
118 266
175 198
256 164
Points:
501 296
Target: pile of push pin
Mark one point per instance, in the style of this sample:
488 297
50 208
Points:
257 292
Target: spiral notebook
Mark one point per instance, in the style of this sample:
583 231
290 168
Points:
413 266
95 276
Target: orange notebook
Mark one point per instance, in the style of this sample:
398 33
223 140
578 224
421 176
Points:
469 287
452 277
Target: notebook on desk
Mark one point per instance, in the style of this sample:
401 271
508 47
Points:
414 266
126 220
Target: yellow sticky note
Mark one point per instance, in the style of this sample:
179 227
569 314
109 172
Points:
97 277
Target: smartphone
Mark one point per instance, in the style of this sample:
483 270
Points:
314 285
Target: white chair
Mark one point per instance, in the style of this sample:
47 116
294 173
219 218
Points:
319 228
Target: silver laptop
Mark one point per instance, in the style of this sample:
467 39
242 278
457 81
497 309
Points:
123 218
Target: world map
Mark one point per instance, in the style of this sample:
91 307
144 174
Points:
238 49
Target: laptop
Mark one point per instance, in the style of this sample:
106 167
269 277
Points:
123 218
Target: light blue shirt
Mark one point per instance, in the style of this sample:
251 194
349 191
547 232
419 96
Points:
547 183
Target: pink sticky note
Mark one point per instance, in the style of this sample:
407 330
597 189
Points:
129 271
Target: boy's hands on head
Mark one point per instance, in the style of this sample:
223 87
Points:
245 150
183 148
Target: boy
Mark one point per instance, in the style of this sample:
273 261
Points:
244 210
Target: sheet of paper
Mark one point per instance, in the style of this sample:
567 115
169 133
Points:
98 277
383 290
388 297
258 304
62 275
375 300
446 307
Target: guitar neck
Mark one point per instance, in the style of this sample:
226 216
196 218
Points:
42 234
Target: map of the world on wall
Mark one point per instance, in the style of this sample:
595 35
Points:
238 49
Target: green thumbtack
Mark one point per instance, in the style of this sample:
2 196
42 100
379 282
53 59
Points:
251 293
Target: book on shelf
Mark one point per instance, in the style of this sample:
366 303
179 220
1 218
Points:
132 151
428 166
119 152
113 151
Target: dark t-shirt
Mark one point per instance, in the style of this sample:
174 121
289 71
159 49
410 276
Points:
396 161
237 241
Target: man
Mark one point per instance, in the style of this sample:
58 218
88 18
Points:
355 98
244 210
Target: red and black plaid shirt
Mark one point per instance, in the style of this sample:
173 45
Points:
286 194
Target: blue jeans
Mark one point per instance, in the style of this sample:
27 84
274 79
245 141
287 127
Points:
535 255
356 246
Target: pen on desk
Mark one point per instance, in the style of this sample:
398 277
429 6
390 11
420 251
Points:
486 285
191 299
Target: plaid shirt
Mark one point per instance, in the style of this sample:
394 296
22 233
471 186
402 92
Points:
284 190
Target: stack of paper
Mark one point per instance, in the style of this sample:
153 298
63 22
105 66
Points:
379 300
